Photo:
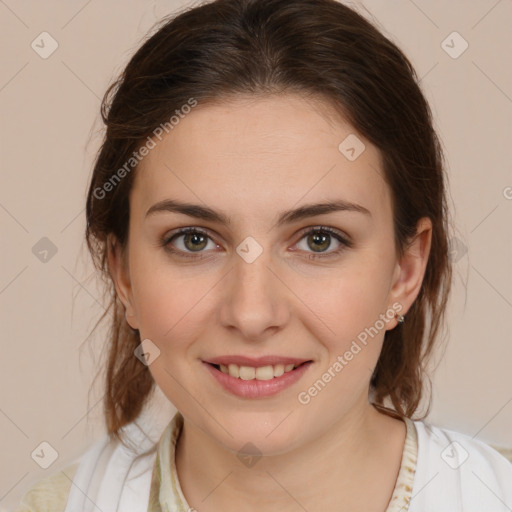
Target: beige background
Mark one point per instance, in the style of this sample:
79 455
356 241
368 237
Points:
50 132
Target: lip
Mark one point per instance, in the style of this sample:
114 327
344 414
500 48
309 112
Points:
257 388
255 362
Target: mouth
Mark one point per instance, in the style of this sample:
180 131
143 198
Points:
254 381
267 372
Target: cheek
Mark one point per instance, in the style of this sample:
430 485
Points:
342 306
170 313
170 305
163 309
346 320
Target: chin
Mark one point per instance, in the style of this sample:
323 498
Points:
263 432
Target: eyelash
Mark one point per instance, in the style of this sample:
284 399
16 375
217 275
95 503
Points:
165 242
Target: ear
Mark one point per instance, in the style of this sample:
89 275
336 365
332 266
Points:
410 270
119 271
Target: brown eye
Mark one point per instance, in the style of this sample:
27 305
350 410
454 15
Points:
188 241
320 239
195 241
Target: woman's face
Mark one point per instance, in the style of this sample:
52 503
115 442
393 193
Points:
258 284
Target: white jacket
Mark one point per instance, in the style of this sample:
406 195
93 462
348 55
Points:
453 473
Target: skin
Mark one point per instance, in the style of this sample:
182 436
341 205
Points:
251 158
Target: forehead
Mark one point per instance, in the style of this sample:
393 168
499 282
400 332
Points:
259 155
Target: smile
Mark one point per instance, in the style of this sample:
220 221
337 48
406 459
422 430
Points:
256 382
259 373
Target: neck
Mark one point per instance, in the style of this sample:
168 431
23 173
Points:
343 460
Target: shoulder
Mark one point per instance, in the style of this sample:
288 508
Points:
49 494
52 493
455 470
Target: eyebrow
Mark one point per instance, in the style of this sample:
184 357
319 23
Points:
286 217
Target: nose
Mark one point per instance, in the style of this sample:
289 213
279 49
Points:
255 299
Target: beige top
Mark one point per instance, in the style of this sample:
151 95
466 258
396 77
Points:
51 493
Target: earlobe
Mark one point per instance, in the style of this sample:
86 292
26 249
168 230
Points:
410 271
118 268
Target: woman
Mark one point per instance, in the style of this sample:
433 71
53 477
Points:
268 209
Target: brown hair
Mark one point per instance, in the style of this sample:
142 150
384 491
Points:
319 48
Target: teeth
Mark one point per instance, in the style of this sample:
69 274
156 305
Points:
247 373
264 373
234 370
278 370
260 373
